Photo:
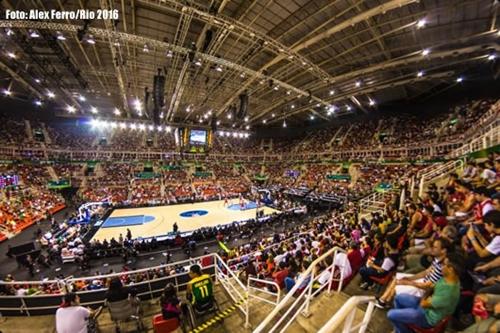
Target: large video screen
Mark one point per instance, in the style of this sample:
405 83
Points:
9 180
197 137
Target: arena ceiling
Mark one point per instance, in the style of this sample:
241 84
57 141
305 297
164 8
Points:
294 58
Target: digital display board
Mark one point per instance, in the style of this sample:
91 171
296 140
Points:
9 180
198 137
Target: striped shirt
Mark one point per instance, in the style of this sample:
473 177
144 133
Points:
436 272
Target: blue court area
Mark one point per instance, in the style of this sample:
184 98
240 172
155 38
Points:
248 205
194 213
125 221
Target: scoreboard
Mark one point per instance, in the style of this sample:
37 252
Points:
9 180
195 140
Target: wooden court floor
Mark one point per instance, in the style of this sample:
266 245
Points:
166 216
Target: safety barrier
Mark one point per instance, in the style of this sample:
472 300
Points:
251 288
345 315
436 172
150 288
303 291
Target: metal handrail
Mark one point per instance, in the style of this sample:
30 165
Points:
104 276
308 274
250 295
346 315
222 278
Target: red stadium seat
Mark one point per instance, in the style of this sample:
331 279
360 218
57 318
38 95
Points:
382 281
164 326
439 328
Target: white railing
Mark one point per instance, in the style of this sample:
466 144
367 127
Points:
303 297
489 138
438 171
345 315
236 290
250 287
375 202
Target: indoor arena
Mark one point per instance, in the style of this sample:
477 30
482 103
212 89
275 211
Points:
265 166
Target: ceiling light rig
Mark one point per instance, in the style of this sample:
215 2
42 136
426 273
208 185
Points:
38 102
33 33
426 52
420 73
7 92
459 79
117 112
492 57
71 109
90 39
50 94
11 55
421 23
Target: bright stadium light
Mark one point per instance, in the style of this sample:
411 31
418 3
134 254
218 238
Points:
142 127
332 92
421 23
94 110
284 124
420 74
132 126
123 125
11 55
168 129
151 127
7 92
426 52
159 128
70 109
311 117
34 34
38 102
113 124
491 57
372 102
358 84
460 79
117 112
94 123
50 94
247 127
81 98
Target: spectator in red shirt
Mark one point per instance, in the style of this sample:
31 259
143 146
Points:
280 274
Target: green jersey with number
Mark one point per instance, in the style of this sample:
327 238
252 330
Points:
201 288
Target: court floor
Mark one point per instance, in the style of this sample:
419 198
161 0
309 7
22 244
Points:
157 221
